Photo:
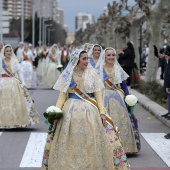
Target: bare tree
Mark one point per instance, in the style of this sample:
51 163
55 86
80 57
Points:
155 13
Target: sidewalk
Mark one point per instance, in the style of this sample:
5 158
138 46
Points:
151 106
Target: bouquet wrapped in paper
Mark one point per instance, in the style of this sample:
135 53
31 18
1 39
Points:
131 102
52 113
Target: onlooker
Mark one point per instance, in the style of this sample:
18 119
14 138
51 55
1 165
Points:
64 56
20 51
165 51
1 45
167 88
127 60
146 54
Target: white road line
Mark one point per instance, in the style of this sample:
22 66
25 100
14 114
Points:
34 150
0 133
159 144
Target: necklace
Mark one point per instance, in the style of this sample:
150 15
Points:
78 73
109 69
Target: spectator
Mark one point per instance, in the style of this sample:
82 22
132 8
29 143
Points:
167 88
64 56
127 60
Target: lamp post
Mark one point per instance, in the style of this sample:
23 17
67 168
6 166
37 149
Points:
1 20
33 25
22 20
49 30
40 18
45 30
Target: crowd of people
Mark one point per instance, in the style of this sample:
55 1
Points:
93 83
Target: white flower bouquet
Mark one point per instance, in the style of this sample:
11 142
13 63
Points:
52 113
131 102
59 66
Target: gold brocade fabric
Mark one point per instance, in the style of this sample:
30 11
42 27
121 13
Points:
13 109
116 108
16 105
81 142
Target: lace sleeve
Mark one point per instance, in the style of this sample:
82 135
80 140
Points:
61 100
99 99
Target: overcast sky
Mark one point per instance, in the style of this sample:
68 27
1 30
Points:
72 7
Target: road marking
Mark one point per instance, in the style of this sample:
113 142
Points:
159 144
34 150
0 133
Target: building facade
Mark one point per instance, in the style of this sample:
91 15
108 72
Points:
82 19
49 9
14 7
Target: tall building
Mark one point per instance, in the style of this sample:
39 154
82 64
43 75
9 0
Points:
14 8
49 9
44 8
82 19
59 16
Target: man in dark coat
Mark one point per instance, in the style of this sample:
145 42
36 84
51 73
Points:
167 85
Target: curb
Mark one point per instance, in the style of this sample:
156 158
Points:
154 108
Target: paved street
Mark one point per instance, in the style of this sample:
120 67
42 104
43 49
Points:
23 148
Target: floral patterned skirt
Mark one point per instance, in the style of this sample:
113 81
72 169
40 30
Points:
51 75
116 108
16 105
81 142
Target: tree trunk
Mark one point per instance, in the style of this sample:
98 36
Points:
120 40
155 19
134 34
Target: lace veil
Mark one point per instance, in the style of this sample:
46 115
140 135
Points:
119 74
15 66
57 51
65 78
90 53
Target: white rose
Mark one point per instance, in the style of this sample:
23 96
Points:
53 109
59 66
131 100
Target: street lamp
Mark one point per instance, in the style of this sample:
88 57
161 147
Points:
49 30
33 25
22 20
1 20
44 30
47 25
40 18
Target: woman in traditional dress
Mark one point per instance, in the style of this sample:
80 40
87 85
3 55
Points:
29 74
80 140
16 105
43 52
94 54
114 78
52 72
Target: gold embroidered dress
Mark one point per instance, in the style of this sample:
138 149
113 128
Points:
16 105
116 108
80 140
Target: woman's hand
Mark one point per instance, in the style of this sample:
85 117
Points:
161 55
55 121
103 117
168 90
